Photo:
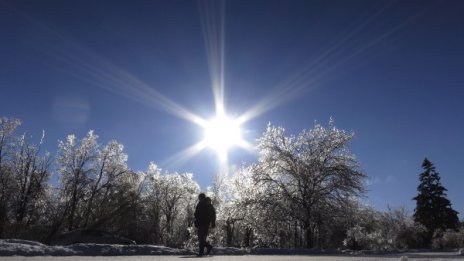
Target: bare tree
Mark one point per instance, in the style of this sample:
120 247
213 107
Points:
76 162
171 198
31 173
7 140
107 177
307 174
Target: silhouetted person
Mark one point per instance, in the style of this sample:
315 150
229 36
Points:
205 215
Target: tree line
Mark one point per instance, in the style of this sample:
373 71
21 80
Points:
303 191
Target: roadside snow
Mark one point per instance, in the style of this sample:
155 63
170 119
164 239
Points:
10 247
16 247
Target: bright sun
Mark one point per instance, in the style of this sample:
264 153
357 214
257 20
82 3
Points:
222 133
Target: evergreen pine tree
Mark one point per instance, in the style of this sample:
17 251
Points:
433 209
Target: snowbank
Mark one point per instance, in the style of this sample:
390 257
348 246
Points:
293 251
10 247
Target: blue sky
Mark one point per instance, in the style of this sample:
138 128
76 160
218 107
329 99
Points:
391 71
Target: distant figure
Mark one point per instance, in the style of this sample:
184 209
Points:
205 215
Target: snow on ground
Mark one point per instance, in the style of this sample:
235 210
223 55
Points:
15 250
10 247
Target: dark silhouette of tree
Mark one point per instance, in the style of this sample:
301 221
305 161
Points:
433 210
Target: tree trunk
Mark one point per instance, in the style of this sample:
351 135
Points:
309 237
295 234
248 237
229 233
3 219
73 208
94 192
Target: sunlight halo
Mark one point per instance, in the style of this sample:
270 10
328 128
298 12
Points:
222 133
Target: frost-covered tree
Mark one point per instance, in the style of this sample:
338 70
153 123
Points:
8 127
76 163
31 174
306 178
116 209
24 173
7 139
229 194
263 204
171 201
433 209
96 186
106 180
381 230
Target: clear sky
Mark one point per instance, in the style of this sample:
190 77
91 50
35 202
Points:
391 71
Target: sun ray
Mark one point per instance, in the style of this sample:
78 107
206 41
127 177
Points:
93 69
183 156
246 146
313 74
212 15
87 66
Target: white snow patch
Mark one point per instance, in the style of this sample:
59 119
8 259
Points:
292 251
16 247
10 247
229 251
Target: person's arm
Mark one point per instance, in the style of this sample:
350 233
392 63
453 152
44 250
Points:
196 212
213 217
196 216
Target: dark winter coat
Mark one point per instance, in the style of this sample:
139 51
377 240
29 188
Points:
205 214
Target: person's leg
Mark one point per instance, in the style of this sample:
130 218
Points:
207 244
202 233
208 248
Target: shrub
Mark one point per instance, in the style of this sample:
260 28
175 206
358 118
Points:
449 239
